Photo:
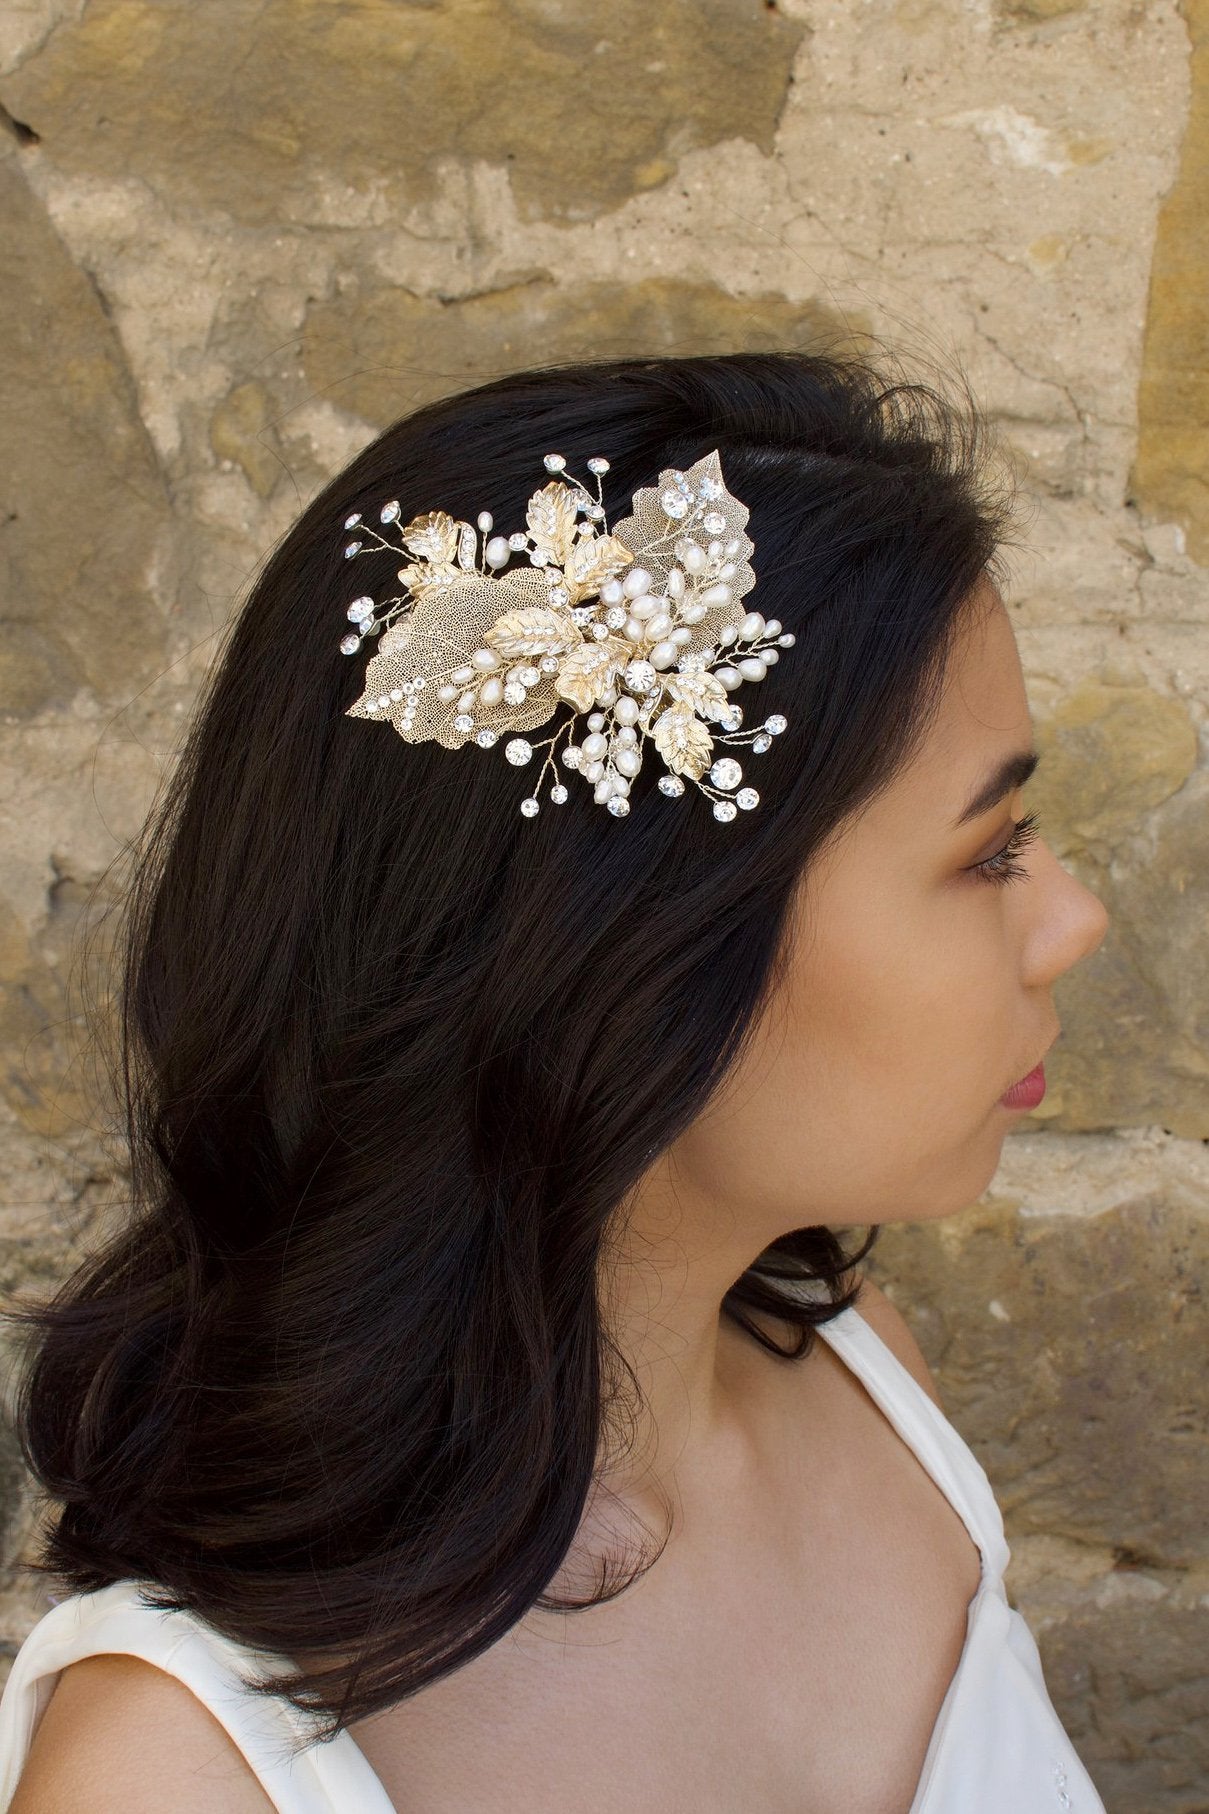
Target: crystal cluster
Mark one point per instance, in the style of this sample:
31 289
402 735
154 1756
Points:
639 630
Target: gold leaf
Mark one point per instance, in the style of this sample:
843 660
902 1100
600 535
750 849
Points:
433 537
395 638
698 689
588 671
423 577
594 560
551 521
683 742
532 630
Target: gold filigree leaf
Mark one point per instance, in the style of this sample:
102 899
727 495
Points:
433 537
551 521
699 690
588 671
395 638
592 561
683 741
532 630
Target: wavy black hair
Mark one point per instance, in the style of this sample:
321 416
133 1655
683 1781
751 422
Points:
393 1057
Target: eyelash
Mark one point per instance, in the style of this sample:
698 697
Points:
1002 867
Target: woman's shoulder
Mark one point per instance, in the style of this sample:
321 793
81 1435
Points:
122 1736
885 1320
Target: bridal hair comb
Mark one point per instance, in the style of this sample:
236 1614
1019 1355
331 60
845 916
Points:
636 627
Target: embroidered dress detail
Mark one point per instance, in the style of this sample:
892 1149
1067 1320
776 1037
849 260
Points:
998 1745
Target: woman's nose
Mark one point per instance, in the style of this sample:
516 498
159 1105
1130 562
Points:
1072 923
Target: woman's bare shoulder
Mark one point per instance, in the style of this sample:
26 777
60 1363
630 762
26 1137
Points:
121 1736
891 1325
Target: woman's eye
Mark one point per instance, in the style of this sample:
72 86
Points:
1003 867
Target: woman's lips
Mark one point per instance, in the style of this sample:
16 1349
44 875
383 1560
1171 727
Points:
1028 1092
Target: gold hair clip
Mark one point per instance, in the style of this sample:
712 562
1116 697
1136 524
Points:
635 627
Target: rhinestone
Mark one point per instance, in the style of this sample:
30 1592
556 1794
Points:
353 548
383 701
538 557
761 743
390 511
776 724
733 719
528 676
671 785
713 522
350 522
726 772
595 511
463 722
361 609
554 463
514 693
349 645
558 793
396 693
419 682
529 807
615 616
640 676
709 488
600 631
558 595
674 504
724 809
619 806
517 542
596 464
518 750
747 797
549 664
485 738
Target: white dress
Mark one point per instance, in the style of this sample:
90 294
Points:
998 1746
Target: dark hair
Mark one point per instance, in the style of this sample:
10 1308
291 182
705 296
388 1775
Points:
394 1057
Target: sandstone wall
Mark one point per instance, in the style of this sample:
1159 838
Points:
241 238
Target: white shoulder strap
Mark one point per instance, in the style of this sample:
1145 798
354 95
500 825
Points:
322 1779
926 1430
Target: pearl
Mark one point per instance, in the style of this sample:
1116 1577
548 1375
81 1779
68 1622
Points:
497 551
463 674
492 691
730 678
664 655
635 630
627 736
752 668
692 614
592 771
681 636
728 571
603 790
658 626
466 702
751 627
446 691
772 627
675 583
596 721
485 659
612 592
628 761
626 710
485 521
621 787
694 559
719 594
594 745
646 606
636 582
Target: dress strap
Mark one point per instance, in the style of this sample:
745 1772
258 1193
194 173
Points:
321 1779
923 1426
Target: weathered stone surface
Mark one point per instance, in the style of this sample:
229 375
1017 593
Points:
275 114
1070 1354
83 504
387 352
241 432
1171 472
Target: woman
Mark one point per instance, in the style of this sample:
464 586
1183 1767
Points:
486 1381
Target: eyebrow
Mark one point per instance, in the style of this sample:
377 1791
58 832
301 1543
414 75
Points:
1010 775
